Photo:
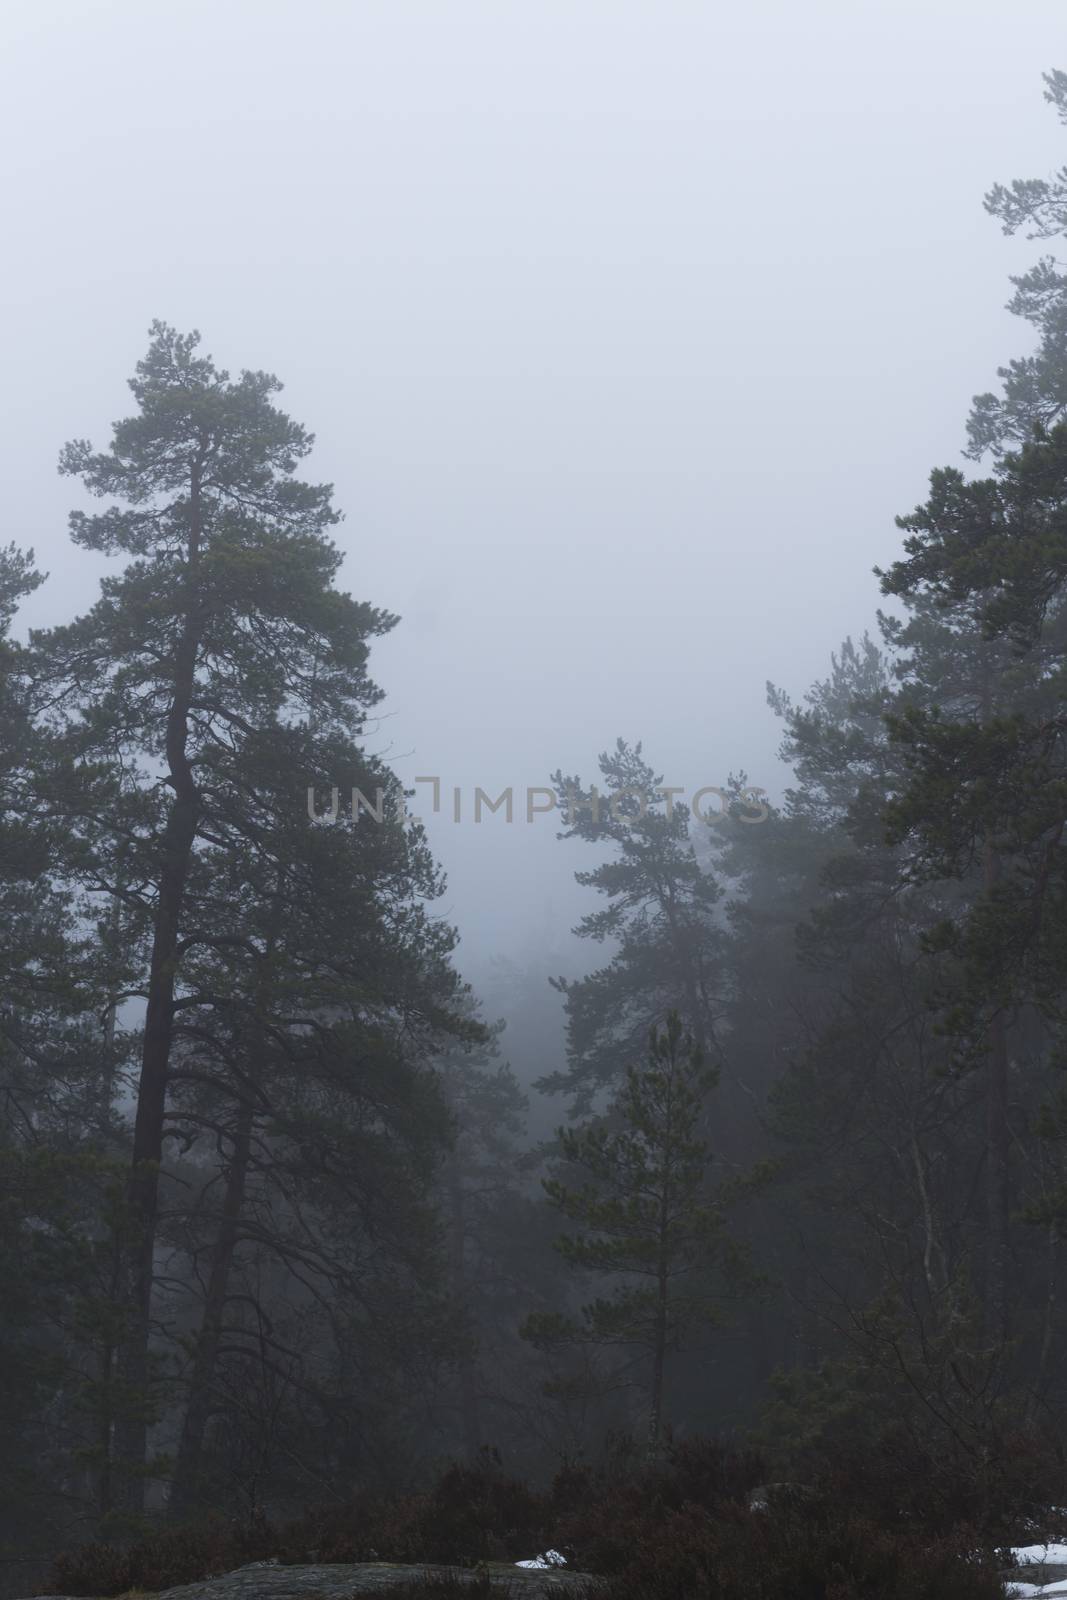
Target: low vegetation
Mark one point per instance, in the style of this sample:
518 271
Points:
691 1525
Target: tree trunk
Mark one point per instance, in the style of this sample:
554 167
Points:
106 1359
107 1422
997 1183
997 1144
470 1417
659 1345
1037 1392
142 1190
185 1486
996 1259
659 1352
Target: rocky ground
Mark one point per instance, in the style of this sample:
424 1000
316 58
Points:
263 1581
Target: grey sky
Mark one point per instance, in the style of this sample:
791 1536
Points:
625 330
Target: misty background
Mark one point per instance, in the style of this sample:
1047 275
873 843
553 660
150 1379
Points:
703 1220
625 331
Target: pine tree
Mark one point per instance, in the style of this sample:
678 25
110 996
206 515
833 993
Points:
224 619
1033 395
661 910
646 1216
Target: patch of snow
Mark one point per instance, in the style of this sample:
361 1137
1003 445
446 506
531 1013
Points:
552 1558
1037 1555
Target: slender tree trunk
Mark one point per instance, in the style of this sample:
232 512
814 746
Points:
997 1139
112 944
997 1190
106 1372
1037 1393
104 1497
110 1022
470 1415
680 938
185 1486
659 1353
142 1192
106 1360
935 1268
659 1346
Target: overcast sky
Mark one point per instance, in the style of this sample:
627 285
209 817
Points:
625 328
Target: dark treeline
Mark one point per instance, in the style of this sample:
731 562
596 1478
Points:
275 1229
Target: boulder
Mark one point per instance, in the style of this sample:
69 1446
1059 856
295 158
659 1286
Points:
767 1495
264 1580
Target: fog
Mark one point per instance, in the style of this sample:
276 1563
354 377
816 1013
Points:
625 332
